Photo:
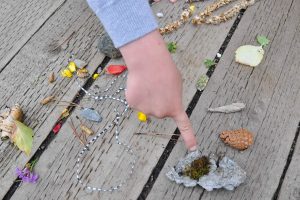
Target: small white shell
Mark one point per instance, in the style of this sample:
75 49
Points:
249 55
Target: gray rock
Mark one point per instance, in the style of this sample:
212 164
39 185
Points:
107 47
227 175
90 114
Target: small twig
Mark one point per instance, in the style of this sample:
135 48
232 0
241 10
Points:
75 132
157 134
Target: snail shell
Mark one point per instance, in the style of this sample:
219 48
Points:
16 113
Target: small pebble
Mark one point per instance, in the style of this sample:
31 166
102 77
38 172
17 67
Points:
160 15
219 55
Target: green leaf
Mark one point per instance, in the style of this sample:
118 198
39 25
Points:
22 137
263 40
172 46
209 63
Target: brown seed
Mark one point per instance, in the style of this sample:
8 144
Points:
240 139
51 78
47 100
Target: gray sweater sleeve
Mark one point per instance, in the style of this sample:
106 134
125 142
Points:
124 20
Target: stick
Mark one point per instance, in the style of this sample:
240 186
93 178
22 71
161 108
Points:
74 131
156 134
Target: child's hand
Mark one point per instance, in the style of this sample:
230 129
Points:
154 84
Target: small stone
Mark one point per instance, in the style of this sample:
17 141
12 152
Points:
107 47
219 55
159 15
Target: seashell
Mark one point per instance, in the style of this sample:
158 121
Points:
16 113
82 73
47 100
249 55
91 114
234 107
240 139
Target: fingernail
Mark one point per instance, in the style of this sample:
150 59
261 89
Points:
194 148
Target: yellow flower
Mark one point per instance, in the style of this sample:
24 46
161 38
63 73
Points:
192 8
142 117
95 76
72 66
66 73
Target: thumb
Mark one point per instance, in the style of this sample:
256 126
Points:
186 130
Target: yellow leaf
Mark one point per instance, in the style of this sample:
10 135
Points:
66 73
95 76
142 117
72 66
22 137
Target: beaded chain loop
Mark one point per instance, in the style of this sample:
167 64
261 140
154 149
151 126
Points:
116 123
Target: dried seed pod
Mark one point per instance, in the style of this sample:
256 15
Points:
47 100
86 130
16 112
240 139
82 73
51 78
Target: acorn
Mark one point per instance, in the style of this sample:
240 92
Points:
240 139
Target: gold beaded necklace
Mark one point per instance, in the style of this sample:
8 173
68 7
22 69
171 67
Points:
204 17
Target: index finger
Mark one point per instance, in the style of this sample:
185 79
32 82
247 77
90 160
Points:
185 127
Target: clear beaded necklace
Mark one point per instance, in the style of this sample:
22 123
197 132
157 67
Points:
116 123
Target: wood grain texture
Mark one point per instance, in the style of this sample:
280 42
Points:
19 20
271 93
291 185
25 79
107 164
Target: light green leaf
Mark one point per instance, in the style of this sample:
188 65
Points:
263 40
209 63
249 55
202 82
172 46
23 137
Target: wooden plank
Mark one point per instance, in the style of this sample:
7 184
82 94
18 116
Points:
19 20
271 92
290 188
25 79
107 161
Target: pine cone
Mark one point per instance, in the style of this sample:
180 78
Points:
239 139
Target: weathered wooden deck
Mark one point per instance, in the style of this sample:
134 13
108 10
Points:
28 31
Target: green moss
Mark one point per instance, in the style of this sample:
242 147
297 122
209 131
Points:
198 168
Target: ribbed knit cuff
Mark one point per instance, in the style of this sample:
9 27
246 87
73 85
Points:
124 20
